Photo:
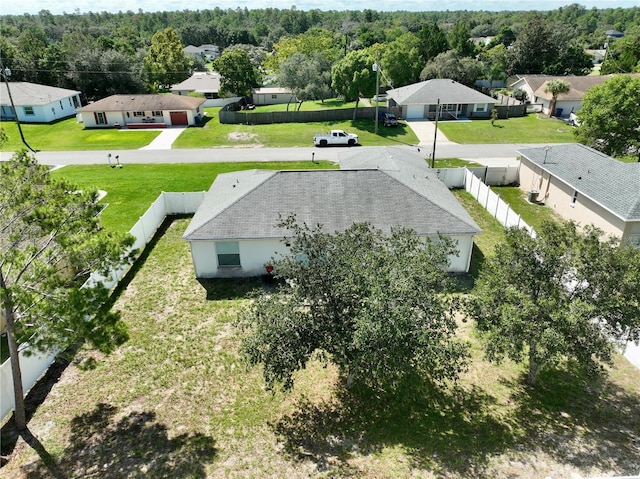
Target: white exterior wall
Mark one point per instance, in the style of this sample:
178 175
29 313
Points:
57 109
254 254
113 117
267 98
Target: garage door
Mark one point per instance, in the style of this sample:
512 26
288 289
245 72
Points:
415 112
179 118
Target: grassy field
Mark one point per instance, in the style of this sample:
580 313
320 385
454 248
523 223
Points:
534 128
131 190
306 106
178 401
69 135
211 133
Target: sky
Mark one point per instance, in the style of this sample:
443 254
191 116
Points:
18 7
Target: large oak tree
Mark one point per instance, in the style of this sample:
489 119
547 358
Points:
373 305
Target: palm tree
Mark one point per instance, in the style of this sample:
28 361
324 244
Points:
556 87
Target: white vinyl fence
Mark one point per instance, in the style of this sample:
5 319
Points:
34 366
493 203
490 175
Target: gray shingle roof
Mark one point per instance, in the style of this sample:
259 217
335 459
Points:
144 103
612 184
30 94
247 205
430 91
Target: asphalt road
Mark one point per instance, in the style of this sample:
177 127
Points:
211 155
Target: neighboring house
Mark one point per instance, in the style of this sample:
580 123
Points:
36 103
206 52
142 111
206 83
233 233
567 103
586 186
614 34
272 96
419 100
193 51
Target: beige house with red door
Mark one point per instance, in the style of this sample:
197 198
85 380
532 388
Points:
142 111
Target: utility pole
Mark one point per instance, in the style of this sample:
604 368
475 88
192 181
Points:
6 73
435 134
376 68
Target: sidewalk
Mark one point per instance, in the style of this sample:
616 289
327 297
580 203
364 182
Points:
165 139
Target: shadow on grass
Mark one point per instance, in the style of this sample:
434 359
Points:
236 288
108 445
590 423
441 431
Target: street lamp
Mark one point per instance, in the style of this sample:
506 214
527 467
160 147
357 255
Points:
6 73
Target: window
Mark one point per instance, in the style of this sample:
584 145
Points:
274 96
481 107
138 113
228 253
157 113
70 104
76 103
61 107
100 117
28 110
574 199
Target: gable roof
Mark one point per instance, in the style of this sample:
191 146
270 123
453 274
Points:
25 93
248 204
144 103
612 184
430 91
579 85
200 82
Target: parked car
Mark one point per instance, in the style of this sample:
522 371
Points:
336 137
388 119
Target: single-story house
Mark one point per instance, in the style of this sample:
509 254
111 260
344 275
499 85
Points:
419 100
233 233
206 51
586 186
272 96
567 103
142 111
35 103
207 83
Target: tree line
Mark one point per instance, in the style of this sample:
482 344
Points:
106 53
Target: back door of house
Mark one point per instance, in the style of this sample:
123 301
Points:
179 118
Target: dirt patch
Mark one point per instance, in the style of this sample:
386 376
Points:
240 139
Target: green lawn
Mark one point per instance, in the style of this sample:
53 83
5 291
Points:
67 135
533 214
132 189
211 133
312 105
532 128
177 400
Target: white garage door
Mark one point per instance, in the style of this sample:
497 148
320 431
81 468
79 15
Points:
415 112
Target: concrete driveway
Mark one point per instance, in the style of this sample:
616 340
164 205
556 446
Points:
425 131
165 139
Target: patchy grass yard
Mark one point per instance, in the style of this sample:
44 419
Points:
131 190
211 133
533 128
69 135
177 401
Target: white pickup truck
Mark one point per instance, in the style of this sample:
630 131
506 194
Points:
336 137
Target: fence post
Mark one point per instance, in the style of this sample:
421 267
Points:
495 215
486 203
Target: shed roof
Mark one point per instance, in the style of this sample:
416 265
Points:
25 93
429 92
611 183
248 204
144 103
